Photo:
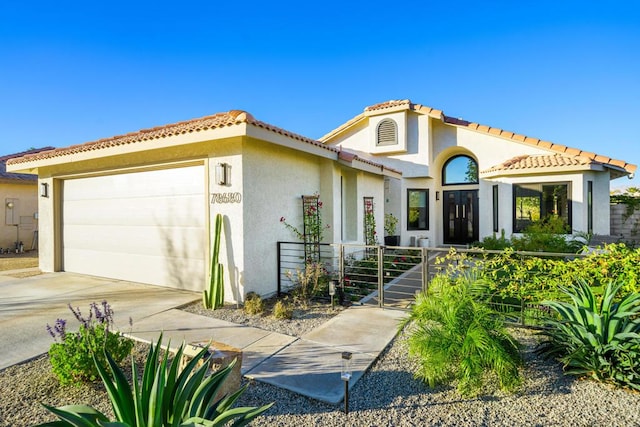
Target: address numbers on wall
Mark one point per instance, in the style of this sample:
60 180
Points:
226 198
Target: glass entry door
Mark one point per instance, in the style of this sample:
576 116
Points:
460 216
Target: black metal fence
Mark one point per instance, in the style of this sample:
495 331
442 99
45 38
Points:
391 276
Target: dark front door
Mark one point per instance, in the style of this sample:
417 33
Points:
460 216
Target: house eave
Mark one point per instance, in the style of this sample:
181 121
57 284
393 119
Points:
33 166
542 171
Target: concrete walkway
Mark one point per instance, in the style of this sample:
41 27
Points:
309 365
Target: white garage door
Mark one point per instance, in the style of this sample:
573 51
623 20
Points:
144 227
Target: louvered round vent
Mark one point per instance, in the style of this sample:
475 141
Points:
387 133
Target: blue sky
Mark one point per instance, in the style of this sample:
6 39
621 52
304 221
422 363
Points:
563 71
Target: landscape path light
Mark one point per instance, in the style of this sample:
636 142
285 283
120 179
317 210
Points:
345 375
332 292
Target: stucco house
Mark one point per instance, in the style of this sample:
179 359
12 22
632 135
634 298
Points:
140 206
19 193
462 181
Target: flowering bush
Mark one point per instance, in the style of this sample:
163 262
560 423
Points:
311 220
312 227
72 354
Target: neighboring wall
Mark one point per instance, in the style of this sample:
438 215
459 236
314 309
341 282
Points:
628 227
20 221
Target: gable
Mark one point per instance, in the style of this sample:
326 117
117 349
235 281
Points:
521 144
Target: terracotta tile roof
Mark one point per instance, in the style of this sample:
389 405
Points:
219 120
432 112
527 162
215 121
22 177
388 105
630 168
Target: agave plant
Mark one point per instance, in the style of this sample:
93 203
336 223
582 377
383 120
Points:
596 337
454 335
163 397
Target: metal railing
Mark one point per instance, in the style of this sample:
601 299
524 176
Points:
390 277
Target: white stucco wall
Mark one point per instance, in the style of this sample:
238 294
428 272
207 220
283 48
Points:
414 157
274 180
223 199
601 203
273 192
47 226
430 143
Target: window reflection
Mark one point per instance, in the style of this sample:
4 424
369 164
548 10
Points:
418 209
535 202
460 170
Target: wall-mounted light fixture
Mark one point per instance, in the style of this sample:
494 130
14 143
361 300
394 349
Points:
10 205
437 195
223 174
44 189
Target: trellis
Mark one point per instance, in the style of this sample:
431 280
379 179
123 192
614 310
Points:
312 228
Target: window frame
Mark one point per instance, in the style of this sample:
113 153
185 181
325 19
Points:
590 207
496 207
451 159
426 209
541 185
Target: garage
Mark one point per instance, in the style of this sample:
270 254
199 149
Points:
146 226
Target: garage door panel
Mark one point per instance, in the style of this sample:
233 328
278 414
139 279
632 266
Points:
183 242
176 273
144 227
174 211
165 182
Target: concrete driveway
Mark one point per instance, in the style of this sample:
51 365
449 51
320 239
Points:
28 304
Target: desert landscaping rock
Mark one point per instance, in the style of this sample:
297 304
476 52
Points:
387 395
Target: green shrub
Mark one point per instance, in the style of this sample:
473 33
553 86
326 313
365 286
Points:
456 336
596 337
550 234
164 396
283 310
253 304
494 243
72 355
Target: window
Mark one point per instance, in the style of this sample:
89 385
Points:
460 170
387 133
533 202
495 208
417 209
590 207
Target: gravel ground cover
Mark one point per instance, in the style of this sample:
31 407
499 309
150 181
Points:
387 395
303 320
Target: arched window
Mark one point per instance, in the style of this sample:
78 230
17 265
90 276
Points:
460 169
387 133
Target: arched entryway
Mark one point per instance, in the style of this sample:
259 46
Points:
460 200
